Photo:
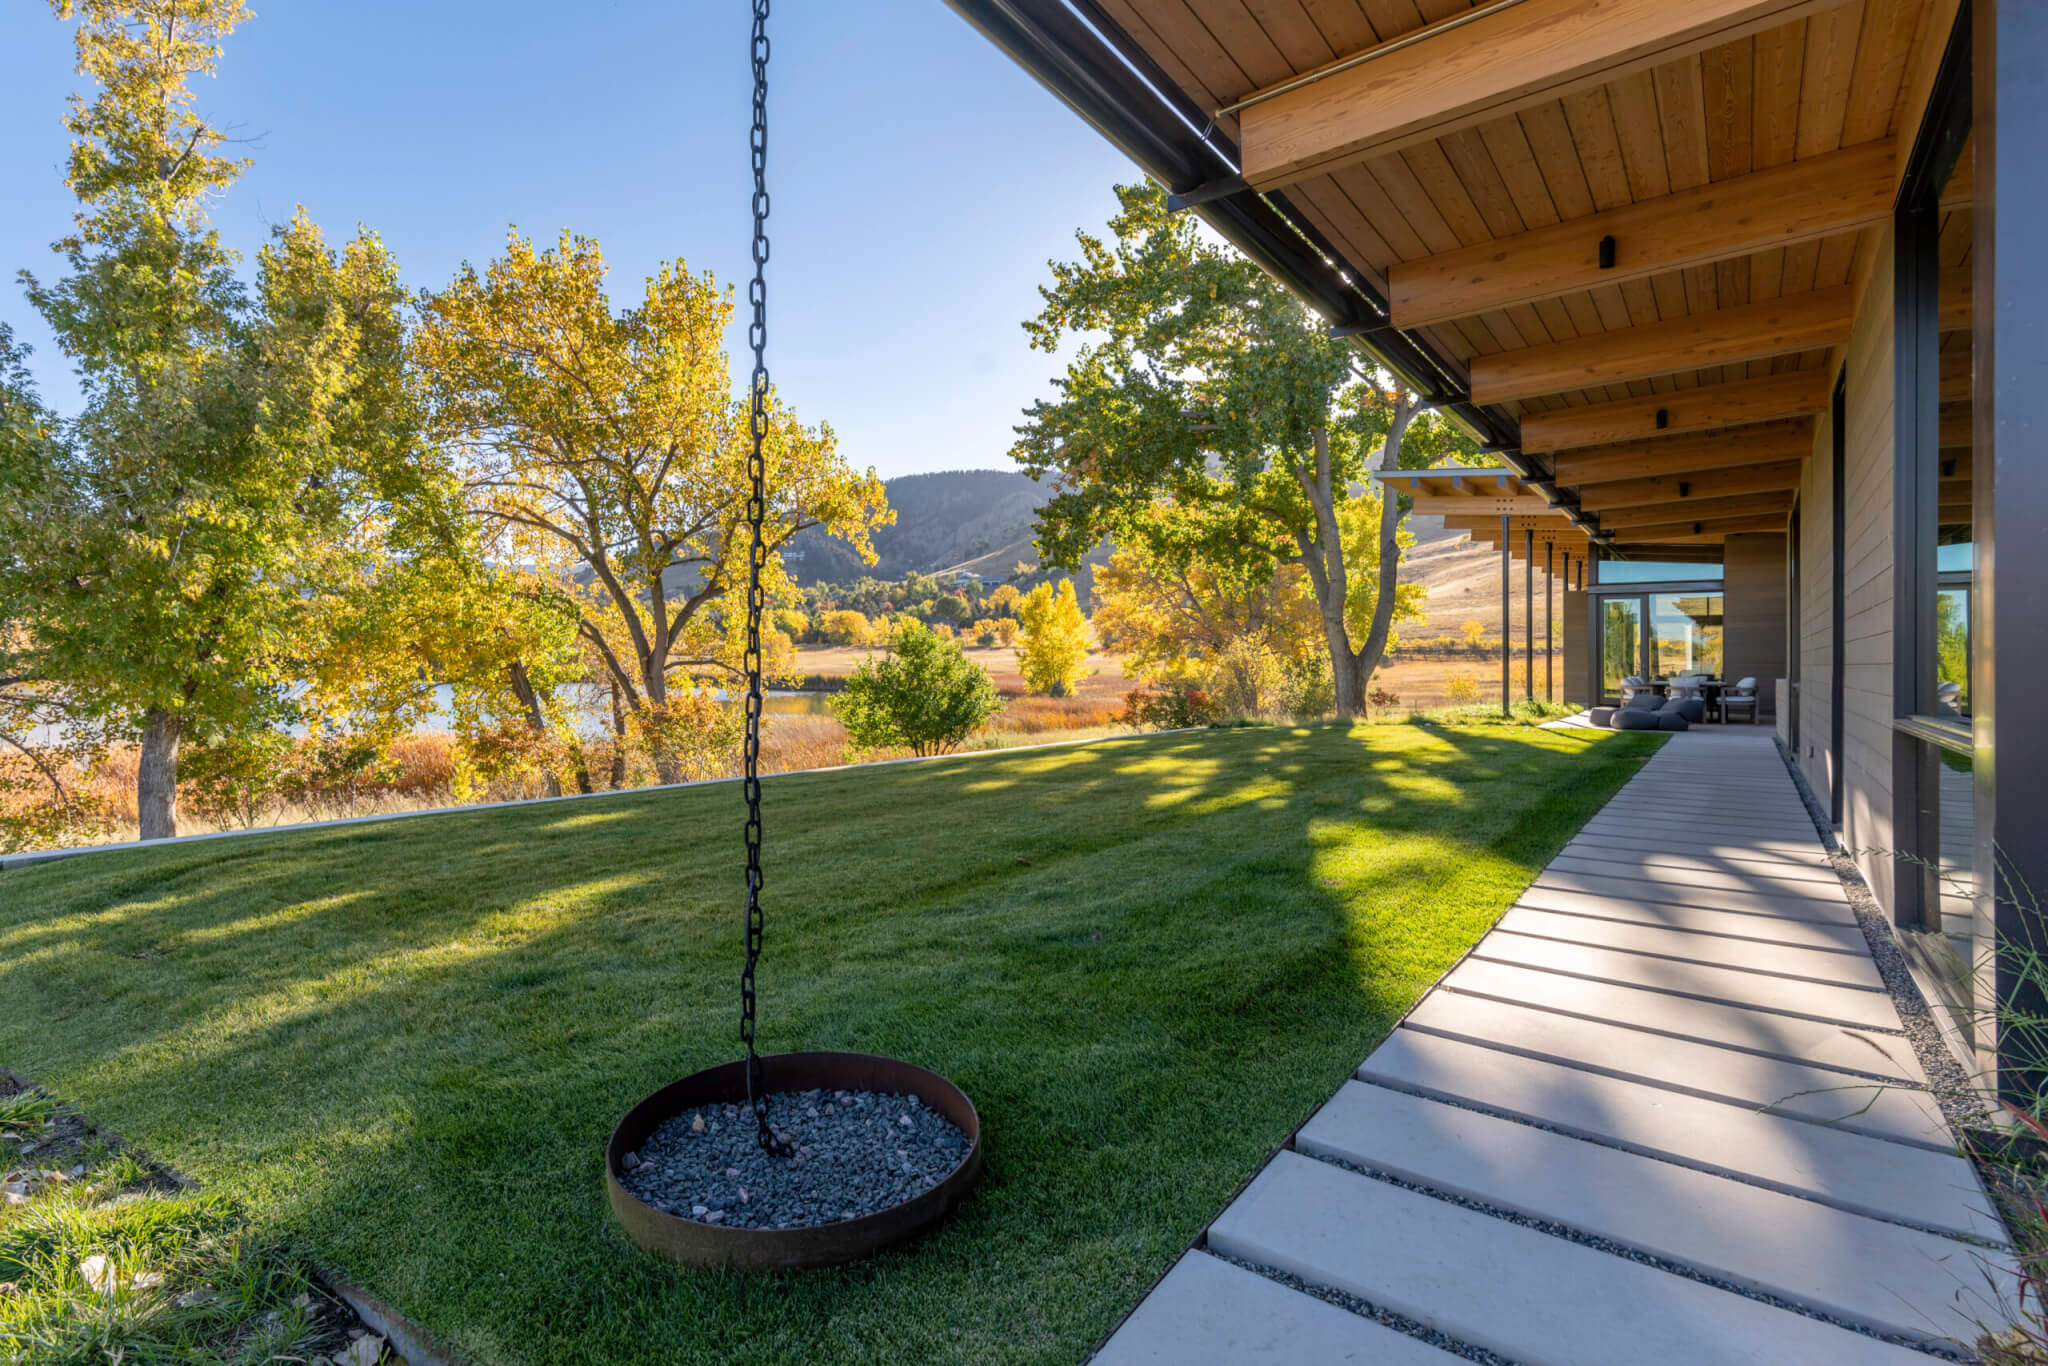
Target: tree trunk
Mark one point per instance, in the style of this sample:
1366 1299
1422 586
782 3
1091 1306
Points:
618 740
1322 555
522 688
156 775
1389 547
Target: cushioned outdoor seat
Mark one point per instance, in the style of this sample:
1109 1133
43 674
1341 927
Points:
1638 718
1691 708
1601 716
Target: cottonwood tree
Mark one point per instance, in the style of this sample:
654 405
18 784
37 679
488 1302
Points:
1209 416
608 447
1052 652
177 542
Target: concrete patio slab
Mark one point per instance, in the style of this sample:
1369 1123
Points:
1829 964
1880 1276
1529 1296
1207 1310
1848 1171
1746 1080
1815 1000
1861 1051
1768 929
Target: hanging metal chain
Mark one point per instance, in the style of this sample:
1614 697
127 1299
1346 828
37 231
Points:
757 555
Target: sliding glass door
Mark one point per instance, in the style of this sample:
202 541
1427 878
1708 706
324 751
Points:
1621 643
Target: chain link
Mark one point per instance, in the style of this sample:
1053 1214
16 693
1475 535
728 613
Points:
757 556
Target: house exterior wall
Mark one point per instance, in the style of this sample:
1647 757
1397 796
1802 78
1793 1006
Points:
1816 611
1753 612
1868 826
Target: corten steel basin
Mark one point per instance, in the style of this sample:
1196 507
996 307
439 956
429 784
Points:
785 1249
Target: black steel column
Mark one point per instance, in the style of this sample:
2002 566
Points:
2009 619
1529 613
1549 644
1507 598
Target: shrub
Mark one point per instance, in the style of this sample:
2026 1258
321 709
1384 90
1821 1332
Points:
1004 599
1054 655
1247 678
1311 691
984 632
925 693
1475 632
1381 699
1175 706
790 622
1460 688
845 627
238 780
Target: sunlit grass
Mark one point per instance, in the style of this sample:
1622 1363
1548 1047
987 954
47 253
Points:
402 1045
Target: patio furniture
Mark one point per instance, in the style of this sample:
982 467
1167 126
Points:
1948 699
1741 697
1630 687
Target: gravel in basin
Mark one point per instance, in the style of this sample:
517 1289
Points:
854 1153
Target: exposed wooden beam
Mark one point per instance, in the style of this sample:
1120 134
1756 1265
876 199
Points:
1723 336
1554 521
1424 85
1439 504
1794 202
1703 526
1735 404
1682 455
1698 509
1667 488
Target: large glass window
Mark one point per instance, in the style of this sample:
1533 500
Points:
1658 571
1685 633
1621 636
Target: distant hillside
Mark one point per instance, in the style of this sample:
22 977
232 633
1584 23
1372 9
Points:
943 521
981 521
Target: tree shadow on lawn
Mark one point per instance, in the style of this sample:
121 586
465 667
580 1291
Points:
1144 962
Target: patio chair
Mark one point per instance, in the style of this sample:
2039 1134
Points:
1631 686
1741 697
1948 699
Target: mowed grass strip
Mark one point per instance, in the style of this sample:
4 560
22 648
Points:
402 1046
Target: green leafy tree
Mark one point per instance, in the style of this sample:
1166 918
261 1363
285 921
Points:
925 693
176 552
1053 653
1209 416
609 446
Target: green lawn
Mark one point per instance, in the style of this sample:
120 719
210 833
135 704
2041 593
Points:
402 1045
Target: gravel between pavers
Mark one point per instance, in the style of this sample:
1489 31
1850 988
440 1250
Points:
856 1153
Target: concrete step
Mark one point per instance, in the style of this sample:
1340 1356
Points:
1767 929
1885 1110
1752 883
1755 1031
1841 967
1534 1298
1712 898
1207 1310
1816 1001
1874 1274
1847 1171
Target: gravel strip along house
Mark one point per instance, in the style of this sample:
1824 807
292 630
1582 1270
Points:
1740 297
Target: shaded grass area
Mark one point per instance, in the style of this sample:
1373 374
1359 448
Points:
402 1046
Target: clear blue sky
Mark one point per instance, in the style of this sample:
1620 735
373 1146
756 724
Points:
921 180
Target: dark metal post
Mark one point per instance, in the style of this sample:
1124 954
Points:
1549 644
1507 598
1529 613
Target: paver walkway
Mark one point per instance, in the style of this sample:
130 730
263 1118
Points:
1670 1074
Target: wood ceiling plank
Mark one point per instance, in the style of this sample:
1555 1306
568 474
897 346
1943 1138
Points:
1728 73
1824 82
1342 24
1633 98
1557 156
1682 113
1404 192
1722 526
1798 202
1699 409
1727 336
1286 23
1692 484
1780 61
1884 47
1775 502
1507 142
1449 193
1231 23
1469 157
1537 50
1760 445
